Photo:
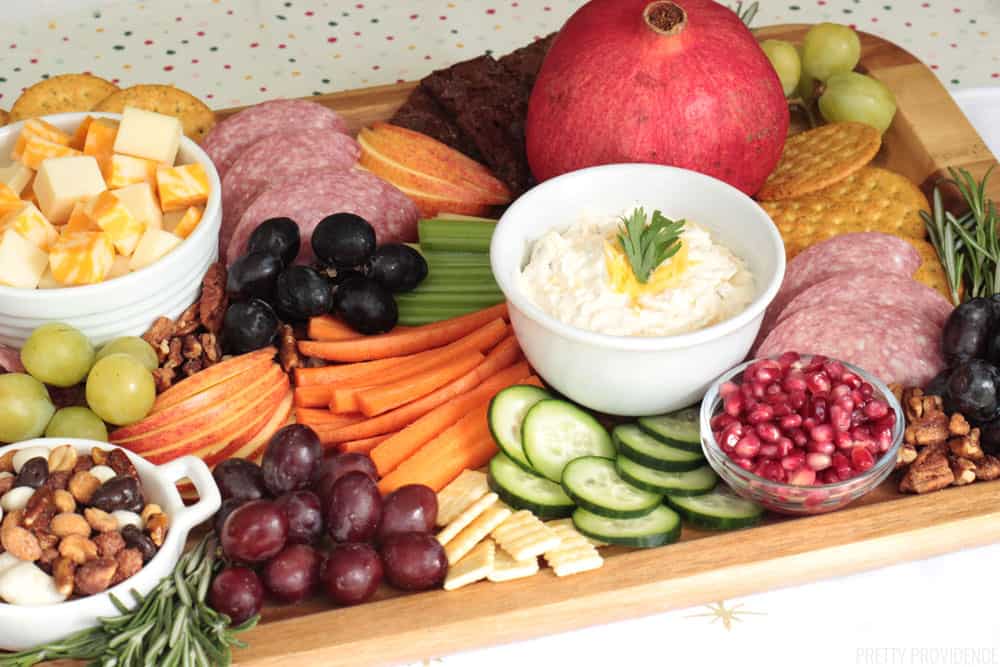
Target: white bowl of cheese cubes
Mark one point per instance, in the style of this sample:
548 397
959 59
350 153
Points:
107 221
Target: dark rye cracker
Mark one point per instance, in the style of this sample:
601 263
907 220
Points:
421 113
194 115
527 60
64 93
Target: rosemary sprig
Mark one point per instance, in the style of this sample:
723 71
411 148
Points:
648 246
968 245
169 627
746 14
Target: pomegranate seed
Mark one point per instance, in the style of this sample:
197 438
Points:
797 398
778 398
733 405
727 389
861 433
791 421
758 389
867 390
761 413
821 433
782 409
809 422
785 445
851 379
815 363
817 461
802 477
840 419
841 465
888 421
767 374
731 435
858 417
772 470
772 389
846 403
828 476
746 391
797 436
794 460
746 464
857 396
834 369
844 440
721 421
840 390
862 459
769 451
819 409
883 439
794 381
821 447
748 446
787 359
876 409
768 431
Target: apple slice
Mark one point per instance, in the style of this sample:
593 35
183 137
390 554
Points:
254 423
433 206
258 442
211 376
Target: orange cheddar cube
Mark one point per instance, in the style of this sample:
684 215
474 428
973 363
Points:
16 176
122 170
79 221
29 222
115 219
182 186
37 150
38 129
28 193
100 141
9 201
79 137
81 258
182 223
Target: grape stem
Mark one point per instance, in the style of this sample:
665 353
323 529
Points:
806 109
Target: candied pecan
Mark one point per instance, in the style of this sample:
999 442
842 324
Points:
160 331
213 301
930 471
964 471
929 429
174 356
191 347
163 378
7 461
288 352
958 425
64 572
39 510
95 576
121 464
49 556
967 446
62 459
211 348
149 510
129 564
906 456
83 464
58 481
156 526
188 322
988 469
109 544
18 541
192 366
46 540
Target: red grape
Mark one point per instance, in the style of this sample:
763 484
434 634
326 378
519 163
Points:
237 593
414 561
305 516
240 479
354 509
293 574
254 532
408 509
333 468
227 508
352 573
291 459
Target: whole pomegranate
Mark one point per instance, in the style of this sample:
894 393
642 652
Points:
675 82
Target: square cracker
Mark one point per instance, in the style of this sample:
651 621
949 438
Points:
455 498
465 518
475 532
506 568
524 536
475 565
574 554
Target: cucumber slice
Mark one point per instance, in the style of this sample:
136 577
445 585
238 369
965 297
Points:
651 452
556 432
506 414
679 429
719 510
594 484
659 527
689 483
527 491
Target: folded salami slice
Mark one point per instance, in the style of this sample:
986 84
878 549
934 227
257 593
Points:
273 161
894 343
228 139
874 288
862 251
10 360
317 194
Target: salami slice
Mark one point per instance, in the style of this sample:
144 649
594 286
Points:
894 343
875 288
862 251
317 194
273 161
10 360
228 139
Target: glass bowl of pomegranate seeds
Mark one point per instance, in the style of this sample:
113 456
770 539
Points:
801 434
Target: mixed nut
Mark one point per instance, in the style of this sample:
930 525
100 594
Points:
73 524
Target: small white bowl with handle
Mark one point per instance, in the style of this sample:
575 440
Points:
23 627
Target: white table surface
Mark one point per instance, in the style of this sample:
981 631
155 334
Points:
941 611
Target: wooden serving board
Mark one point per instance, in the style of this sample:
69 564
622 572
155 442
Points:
929 134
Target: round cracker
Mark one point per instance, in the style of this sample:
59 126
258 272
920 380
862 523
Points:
819 158
194 115
63 93
4 117
931 272
875 185
806 217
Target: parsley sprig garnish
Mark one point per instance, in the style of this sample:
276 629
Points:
648 246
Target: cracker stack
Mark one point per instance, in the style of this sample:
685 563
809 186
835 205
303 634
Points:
824 186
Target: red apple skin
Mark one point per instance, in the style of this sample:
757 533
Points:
612 89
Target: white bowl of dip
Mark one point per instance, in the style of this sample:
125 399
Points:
634 375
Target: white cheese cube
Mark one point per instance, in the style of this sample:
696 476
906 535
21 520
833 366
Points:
63 181
153 245
29 222
16 176
21 262
48 281
27 585
119 267
149 135
141 202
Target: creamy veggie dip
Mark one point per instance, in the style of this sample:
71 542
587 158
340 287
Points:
580 276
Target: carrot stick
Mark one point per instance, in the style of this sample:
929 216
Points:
363 446
315 417
397 343
326 327
383 398
313 396
500 357
403 444
305 377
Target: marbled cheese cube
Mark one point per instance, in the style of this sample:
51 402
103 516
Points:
29 222
79 138
183 222
100 141
141 201
79 221
16 176
9 201
149 135
182 186
82 258
155 244
116 220
36 128
122 170
37 150
21 262
62 182
119 267
48 281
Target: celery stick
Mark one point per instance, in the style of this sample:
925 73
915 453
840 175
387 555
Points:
459 216
460 273
412 316
418 298
452 287
444 258
457 235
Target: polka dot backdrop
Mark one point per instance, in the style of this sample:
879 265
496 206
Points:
236 52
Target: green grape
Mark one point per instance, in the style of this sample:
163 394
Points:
76 422
852 96
25 407
133 346
785 60
57 354
120 390
828 49
806 90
